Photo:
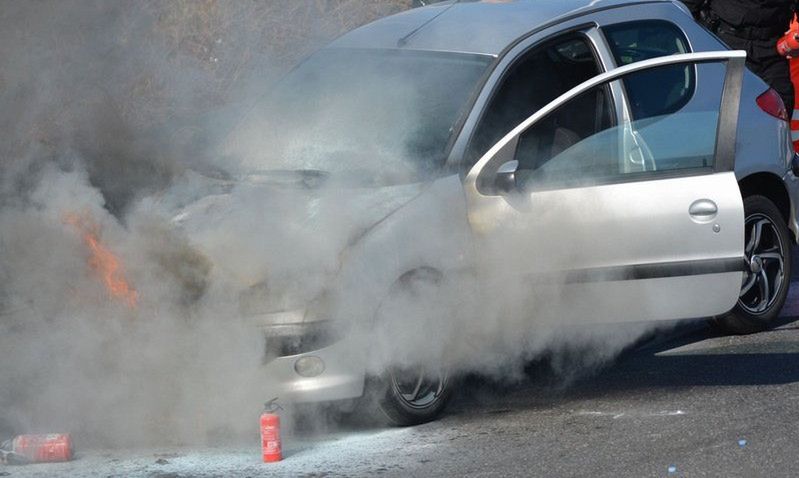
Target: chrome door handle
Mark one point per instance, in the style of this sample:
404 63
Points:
703 210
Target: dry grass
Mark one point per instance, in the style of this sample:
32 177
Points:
227 43
225 35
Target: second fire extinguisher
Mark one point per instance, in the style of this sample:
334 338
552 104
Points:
52 447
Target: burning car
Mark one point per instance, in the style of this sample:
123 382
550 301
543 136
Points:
614 148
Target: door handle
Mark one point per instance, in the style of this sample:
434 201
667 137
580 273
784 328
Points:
703 210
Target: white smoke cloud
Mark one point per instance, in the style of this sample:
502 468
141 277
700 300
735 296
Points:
185 364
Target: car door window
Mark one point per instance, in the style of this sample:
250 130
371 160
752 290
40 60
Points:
633 150
537 78
663 103
658 92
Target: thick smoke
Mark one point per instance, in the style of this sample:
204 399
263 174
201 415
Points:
110 113
121 115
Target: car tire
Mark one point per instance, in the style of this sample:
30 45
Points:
417 393
411 398
768 252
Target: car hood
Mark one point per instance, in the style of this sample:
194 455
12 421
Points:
279 243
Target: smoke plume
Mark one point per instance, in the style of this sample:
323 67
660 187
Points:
121 165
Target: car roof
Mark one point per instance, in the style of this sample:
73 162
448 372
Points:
470 26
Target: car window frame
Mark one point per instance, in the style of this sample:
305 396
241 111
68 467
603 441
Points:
586 30
724 155
588 20
602 28
621 99
638 176
603 39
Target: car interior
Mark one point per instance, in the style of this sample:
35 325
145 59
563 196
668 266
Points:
553 68
538 78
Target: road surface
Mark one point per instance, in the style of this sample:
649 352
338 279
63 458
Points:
690 403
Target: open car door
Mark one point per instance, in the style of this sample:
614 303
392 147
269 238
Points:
638 219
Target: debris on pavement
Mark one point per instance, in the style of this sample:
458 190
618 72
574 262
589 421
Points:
11 458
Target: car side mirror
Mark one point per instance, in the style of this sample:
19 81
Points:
505 180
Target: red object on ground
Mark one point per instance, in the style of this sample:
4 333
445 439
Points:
270 435
43 448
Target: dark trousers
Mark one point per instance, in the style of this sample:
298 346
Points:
763 60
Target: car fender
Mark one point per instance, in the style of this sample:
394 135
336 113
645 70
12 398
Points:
431 231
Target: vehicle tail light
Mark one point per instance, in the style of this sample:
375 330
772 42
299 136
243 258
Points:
772 103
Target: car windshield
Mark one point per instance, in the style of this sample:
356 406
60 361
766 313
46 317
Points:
377 116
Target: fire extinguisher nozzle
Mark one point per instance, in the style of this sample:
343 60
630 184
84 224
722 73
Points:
272 405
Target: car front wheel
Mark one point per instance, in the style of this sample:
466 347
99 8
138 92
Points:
414 395
764 286
415 386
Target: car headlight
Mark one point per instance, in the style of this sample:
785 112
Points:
309 366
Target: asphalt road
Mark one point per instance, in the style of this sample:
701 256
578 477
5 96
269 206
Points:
687 403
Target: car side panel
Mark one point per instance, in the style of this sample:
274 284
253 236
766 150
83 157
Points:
582 244
431 231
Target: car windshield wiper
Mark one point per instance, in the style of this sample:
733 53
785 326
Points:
404 40
309 178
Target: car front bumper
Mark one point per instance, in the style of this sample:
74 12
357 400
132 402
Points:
341 378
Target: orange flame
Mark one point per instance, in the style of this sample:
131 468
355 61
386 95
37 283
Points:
103 261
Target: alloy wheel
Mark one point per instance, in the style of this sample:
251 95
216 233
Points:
416 387
765 275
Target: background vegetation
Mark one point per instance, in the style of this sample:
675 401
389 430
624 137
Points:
135 91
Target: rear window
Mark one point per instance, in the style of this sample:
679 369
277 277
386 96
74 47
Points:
661 91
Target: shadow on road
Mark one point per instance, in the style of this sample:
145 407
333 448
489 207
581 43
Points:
690 355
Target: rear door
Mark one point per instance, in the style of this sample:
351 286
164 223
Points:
639 218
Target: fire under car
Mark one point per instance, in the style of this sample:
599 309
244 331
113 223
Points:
614 146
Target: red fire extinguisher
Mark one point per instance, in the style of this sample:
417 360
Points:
51 447
270 432
788 45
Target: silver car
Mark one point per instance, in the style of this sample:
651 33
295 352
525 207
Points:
614 147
